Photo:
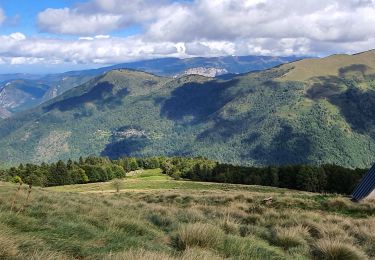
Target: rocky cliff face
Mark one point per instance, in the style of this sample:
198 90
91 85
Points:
207 72
4 113
11 98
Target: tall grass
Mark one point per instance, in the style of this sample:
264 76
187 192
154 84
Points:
329 249
198 234
8 247
213 223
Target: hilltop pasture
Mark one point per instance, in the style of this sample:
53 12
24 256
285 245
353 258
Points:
156 217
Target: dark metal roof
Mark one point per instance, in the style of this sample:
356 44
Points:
366 186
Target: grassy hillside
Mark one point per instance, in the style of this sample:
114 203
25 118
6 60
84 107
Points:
263 118
154 217
332 66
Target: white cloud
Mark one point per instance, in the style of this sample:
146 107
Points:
195 28
325 20
2 16
320 20
95 37
98 16
17 49
17 36
68 21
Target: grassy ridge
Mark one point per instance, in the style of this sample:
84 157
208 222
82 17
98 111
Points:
182 220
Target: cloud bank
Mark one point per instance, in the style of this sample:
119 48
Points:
193 28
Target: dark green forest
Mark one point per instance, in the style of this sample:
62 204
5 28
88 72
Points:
325 178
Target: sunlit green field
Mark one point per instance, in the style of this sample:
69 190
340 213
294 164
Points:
155 217
154 180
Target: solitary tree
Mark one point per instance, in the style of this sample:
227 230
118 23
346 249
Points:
117 184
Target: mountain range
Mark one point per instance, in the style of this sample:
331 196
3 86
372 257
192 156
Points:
311 111
19 92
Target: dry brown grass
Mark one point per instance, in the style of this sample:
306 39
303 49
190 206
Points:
289 237
329 66
142 254
8 247
198 235
185 224
139 254
333 249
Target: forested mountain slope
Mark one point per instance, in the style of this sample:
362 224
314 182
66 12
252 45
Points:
16 90
310 111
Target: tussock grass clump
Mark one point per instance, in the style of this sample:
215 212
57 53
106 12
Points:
315 229
46 255
198 234
332 249
229 225
337 204
289 237
139 254
254 230
197 254
161 221
191 215
134 227
364 232
249 248
142 254
8 247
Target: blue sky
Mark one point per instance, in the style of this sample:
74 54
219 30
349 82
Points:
24 13
43 36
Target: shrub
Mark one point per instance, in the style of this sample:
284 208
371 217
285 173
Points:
332 249
16 179
198 234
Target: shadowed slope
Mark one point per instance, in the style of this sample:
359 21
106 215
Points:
322 115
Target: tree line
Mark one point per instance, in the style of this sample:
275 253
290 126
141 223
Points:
325 178
88 170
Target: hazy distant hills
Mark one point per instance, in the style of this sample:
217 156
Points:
309 111
16 90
